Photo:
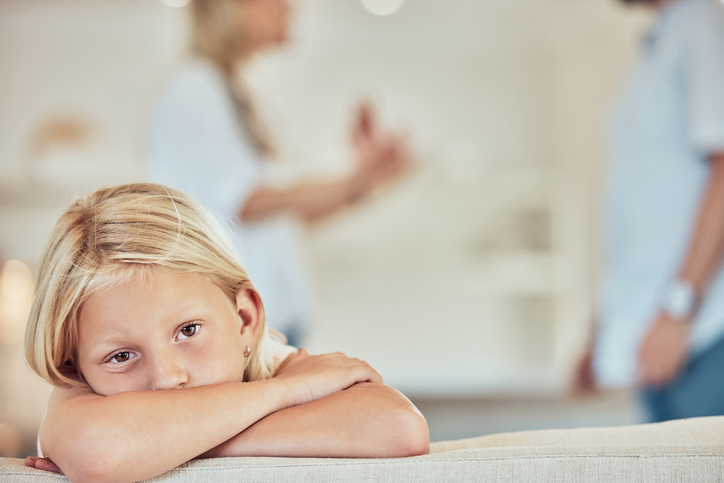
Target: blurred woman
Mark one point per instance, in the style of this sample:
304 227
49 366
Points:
207 140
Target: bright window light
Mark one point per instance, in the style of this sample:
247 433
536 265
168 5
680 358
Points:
16 295
382 7
176 3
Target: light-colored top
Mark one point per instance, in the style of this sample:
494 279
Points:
669 121
281 352
197 145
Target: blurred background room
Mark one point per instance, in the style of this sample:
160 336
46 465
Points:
470 286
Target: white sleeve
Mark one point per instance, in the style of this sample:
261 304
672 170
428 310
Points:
704 76
196 144
281 351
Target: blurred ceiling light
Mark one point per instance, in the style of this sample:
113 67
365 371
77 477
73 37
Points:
382 7
176 3
16 295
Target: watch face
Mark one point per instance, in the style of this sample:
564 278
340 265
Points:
679 300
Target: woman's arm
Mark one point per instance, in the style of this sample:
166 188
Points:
314 200
133 436
309 201
380 160
365 421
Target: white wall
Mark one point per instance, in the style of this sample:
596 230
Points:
448 284
476 274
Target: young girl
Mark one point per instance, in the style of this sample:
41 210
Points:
138 291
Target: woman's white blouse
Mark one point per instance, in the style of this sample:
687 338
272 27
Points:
197 145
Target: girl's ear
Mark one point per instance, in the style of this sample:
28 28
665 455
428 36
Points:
249 308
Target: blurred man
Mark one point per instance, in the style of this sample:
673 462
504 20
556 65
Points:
662 294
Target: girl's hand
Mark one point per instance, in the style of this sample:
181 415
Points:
42 464
314 377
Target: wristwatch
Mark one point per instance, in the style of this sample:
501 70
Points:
679 300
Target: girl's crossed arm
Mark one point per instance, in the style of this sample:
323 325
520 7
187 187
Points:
132 436
367 420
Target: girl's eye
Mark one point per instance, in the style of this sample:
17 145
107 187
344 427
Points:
189 331
121 357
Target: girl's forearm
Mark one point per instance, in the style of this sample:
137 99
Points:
364 421
133 436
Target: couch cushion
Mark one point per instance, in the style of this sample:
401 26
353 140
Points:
682 451
675 435
464 467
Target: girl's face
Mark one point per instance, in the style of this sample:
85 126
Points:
166 331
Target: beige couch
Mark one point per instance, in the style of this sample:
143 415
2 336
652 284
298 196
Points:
690 450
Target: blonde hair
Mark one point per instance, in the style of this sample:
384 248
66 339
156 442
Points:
221 36
112 236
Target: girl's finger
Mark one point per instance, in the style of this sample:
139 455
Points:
42 464
48 465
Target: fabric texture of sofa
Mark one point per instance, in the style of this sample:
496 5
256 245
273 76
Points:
690 450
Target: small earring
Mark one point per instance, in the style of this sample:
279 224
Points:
247 351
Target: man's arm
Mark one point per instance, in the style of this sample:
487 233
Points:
664 350
365 421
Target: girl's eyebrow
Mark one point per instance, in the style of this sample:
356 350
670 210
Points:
111 337
186 310
105 344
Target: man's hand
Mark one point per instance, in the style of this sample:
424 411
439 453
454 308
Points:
664 349
583 381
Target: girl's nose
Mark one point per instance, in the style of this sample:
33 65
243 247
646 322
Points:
169 373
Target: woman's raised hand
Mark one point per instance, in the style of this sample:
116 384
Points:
314 377
381 157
